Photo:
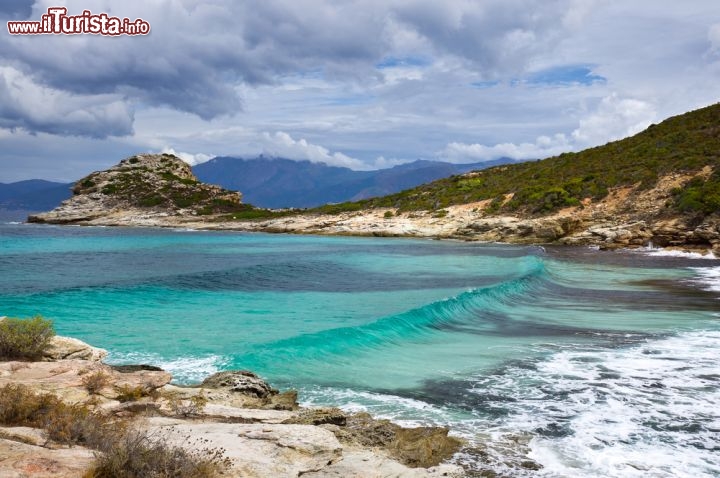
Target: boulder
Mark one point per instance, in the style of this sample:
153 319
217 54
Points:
423 446
416 447
240 381
65 348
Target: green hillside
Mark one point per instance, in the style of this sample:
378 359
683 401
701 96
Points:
684 143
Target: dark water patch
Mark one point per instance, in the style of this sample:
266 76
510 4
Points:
460 395
314 276
675 426
555 430
663 296
627 258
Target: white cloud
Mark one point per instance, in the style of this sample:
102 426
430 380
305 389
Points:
615 118
191 159
282 145
543 147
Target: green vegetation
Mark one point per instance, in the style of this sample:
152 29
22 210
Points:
24 339
137 185
248 212
682 144
700 195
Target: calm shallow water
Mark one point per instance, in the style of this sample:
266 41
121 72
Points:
587 363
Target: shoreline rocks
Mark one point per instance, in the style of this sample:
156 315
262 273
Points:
262 430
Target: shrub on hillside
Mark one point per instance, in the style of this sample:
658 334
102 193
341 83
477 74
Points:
25 339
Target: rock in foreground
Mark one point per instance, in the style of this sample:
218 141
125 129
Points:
261 431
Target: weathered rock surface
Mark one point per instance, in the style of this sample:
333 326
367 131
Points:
23 460
260 441
70 348
66 378
245 389
366 464
415 447
257 450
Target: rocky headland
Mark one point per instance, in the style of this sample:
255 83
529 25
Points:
631 216
259 431
660 187
156 185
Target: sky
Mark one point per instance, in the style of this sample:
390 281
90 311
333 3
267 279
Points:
365 84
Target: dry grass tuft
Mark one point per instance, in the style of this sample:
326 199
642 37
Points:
123 452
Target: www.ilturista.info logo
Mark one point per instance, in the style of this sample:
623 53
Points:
57 22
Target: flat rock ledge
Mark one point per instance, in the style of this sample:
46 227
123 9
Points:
262 431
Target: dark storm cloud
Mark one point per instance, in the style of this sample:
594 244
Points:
15 9
497 37
37 109
199 54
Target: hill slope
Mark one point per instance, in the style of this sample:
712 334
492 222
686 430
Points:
282 183
683 144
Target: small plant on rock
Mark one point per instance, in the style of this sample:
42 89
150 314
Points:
186 407
95 381
25 339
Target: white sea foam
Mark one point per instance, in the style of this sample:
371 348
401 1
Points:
660 252
708 278
651 410
185 370
404 411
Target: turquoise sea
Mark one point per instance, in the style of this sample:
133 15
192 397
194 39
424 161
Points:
586 363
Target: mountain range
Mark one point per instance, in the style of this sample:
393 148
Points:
33 195
280 183
269 182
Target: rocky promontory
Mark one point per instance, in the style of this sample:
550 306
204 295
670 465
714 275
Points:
247 426
160 191
145 186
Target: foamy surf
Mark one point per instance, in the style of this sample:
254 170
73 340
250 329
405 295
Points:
661 252
708 278
649 410
402 410
185 370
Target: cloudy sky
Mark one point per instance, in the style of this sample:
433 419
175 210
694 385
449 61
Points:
358 83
